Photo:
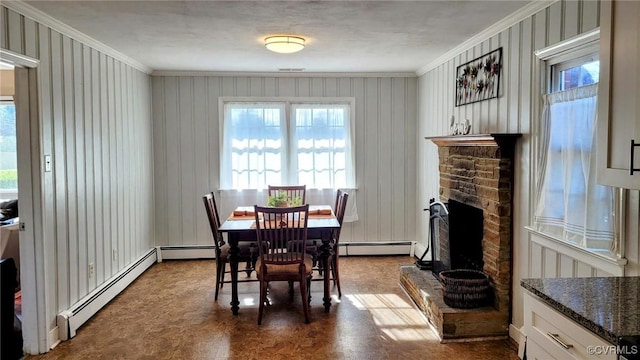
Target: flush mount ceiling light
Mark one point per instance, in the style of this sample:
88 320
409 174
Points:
284 44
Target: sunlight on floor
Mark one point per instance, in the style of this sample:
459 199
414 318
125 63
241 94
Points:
249 301
395 317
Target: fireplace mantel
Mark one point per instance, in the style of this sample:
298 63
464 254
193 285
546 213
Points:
499 139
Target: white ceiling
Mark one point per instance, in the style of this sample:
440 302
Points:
342 36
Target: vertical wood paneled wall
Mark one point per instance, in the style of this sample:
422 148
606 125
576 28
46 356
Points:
96 125
186 143
511 113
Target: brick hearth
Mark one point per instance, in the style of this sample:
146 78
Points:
451 324
476 170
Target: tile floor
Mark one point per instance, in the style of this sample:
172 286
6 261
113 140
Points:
169 313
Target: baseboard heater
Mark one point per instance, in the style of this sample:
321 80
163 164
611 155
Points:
375 248
70 320
186 252
346 249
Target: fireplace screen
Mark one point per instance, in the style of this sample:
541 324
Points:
438 226
440 238
455 237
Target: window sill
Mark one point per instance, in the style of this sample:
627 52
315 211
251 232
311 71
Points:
612 266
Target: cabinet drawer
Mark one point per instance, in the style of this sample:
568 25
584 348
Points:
550 329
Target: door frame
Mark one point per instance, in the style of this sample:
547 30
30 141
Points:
33 262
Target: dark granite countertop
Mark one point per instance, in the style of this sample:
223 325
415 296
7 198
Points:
608 306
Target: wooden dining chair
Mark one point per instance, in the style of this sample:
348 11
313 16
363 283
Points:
282 234
248 254
292 192
340 209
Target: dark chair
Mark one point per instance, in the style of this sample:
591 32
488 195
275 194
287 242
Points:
11 337
282 234
248 254
291 191
315 249
340 208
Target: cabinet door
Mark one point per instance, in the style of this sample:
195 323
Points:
552 335
619 94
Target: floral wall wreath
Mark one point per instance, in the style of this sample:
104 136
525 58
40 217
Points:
479 79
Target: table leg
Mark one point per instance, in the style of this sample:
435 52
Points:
233 262
326 255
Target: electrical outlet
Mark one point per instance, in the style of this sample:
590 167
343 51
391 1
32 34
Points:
92 270
114 254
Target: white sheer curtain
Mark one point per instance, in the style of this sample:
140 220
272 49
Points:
321 146
253 145
260 146
571 206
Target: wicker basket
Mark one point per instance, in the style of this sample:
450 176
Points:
465 288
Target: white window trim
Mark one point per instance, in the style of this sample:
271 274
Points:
612 266
351 101
573 48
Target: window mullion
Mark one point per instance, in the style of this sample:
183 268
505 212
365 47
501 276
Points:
288 145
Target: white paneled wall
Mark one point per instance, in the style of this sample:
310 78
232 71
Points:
96 125
186 142
512 113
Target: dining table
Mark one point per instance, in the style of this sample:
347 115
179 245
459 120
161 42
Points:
240 226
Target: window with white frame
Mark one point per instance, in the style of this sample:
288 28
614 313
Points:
8 149
287 143
570 205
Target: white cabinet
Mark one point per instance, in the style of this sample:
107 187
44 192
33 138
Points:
619 94
552 335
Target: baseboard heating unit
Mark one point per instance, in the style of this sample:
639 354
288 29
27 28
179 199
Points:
375 248
70 320
184 252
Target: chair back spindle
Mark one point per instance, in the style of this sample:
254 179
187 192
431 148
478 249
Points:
292 191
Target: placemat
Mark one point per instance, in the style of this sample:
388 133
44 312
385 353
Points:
316 216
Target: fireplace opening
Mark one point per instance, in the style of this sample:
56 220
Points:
460 239
465 236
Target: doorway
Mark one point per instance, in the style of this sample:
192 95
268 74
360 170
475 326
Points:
9 221
28 225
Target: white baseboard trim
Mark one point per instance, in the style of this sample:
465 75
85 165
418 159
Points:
70 320
519 337
54 337
186 252
376 248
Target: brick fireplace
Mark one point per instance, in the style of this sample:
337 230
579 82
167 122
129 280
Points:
475 170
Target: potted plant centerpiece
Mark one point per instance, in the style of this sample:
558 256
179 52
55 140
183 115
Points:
283 200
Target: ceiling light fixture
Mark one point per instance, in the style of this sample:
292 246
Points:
284 44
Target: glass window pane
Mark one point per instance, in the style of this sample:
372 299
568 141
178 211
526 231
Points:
262 147
8 148
254 132
579 75
320 132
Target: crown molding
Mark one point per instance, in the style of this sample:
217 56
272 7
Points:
285 74
504 24
42 18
